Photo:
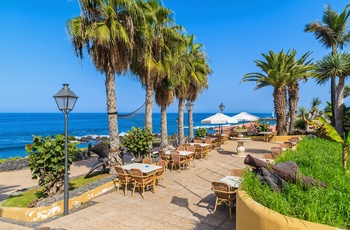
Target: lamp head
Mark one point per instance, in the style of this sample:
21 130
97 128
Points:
65 99
222 107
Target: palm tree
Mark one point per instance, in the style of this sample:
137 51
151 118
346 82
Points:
192 78
301 71
152 41
105 29
331 66
303 111
277 70
332 33
164 97
314 108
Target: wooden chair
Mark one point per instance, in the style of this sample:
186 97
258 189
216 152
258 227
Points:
147 161
275 151
181 148
211 143
123 178
166 158
190 158
159 172
199 151
198 141
186 145
237 172
178 160
142 181
224 195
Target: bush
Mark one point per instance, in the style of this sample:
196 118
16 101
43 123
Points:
261 126
138 142
46 161
300 124
201 132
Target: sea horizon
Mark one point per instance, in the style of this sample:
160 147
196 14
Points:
18 127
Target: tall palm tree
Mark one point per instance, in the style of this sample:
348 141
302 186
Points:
277 69
164 97
105 29
331 66
302 70
192 79
332 33
152 41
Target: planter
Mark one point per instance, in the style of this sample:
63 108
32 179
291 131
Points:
252 215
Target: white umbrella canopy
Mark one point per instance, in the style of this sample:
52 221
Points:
243 116
219 118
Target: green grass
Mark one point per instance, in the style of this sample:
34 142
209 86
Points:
24 199
320 159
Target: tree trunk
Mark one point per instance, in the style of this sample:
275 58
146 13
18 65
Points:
112 111
164 128
149 106
333 91
293 105
339 125
279 99
287 175
181 121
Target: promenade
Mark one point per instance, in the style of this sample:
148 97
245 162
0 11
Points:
187 202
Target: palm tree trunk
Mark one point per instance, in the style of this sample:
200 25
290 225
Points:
280 103
333 91
181 121
112 111
293 105
164 128
149 106
339 126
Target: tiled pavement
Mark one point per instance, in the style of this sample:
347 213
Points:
186 203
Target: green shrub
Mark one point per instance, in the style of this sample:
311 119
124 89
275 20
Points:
261 126
201 132
46 161
300 124
317 158
138 142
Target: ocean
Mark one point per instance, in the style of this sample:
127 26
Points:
16 129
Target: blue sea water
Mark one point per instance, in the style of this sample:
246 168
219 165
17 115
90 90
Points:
16 129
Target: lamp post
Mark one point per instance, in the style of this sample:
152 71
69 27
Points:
189 106
65 99
222 108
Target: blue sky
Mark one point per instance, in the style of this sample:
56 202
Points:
36 56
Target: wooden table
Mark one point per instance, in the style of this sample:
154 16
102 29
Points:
182 153
266 135
232 181
145 168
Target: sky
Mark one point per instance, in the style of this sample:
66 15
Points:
36 55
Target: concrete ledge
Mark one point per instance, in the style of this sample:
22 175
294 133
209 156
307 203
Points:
42 213
252 215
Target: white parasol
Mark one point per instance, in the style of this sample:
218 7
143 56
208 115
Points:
243 116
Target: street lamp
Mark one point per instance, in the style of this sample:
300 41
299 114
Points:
65 99
189 106
222 108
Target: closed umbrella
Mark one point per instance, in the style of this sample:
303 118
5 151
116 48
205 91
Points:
244 116
219 119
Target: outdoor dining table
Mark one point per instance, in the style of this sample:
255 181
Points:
182 153
232 181
266 135
145 168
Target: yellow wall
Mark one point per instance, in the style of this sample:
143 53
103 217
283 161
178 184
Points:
254 216
42 213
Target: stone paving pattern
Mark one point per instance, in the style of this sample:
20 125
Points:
186 203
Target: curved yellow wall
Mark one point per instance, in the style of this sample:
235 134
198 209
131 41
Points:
42 213
254 216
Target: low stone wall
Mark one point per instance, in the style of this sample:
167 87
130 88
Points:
14 164
252 215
